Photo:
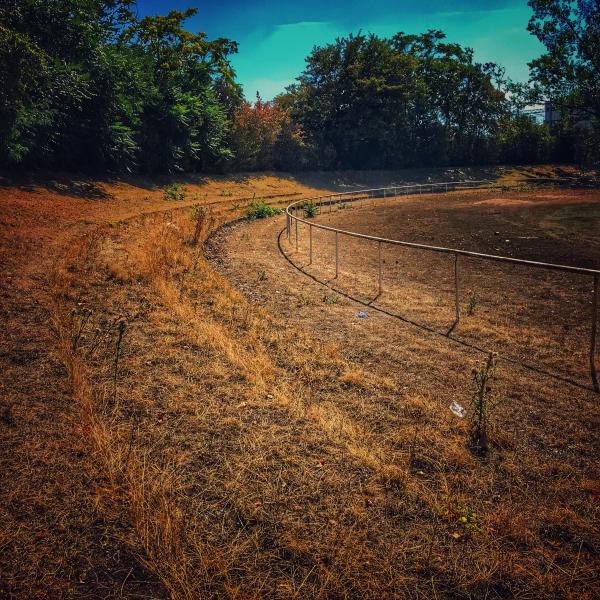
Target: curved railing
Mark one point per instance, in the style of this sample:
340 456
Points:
329 201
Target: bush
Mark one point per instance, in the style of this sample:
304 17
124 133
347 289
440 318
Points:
175 192
261 210
310 209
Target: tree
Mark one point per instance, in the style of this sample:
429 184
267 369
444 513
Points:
189 88
569 72
264 137
85 85
367 102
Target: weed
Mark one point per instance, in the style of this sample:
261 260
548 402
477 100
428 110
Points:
331 298
481 403
259 209
461 516
304 298
471 303
202 216
310 209
226 193
83 320
175 191
118 351
204 219
262 275
196 211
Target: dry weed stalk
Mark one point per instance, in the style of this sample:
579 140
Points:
118 350
481 403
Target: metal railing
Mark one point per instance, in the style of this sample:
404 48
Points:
329 201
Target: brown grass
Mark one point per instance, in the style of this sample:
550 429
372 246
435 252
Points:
242 452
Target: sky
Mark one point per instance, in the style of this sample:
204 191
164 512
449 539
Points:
276 36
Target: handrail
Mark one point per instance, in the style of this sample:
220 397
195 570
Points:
292 208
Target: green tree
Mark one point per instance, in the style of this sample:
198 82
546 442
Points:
85 85
367 102
189 88
568 74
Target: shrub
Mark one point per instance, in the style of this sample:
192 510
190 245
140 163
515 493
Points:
175 191
310 209
331 298
261 210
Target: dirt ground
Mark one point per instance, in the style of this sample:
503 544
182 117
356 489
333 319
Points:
539 318
164 435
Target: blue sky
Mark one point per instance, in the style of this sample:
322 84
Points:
275 37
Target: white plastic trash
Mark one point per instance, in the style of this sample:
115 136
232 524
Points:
457 409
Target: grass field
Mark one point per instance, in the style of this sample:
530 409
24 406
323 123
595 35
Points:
186 420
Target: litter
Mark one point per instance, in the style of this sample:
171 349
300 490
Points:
457 409
362 315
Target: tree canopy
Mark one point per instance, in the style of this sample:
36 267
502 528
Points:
568 74
86 85
404 101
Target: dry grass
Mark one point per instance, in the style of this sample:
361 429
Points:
234 454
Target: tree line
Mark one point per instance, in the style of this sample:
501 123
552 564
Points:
85 85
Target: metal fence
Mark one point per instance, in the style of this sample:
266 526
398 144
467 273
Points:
327 203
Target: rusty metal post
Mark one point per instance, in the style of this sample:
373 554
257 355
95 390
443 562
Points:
296 219
337 254
380 268
593 371
289 227
456 301
310 254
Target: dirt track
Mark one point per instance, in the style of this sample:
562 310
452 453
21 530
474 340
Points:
539 416
537 317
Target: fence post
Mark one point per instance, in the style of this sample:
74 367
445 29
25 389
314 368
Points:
337 254
456 301
380 268
310 244
296 220
289 226
594 334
